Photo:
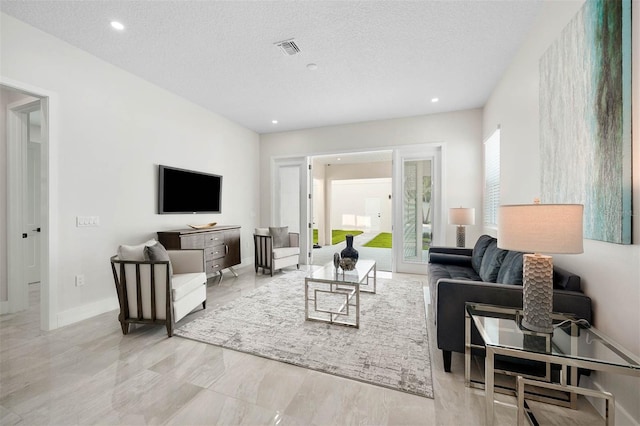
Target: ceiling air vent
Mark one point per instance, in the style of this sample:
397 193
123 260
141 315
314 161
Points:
288 47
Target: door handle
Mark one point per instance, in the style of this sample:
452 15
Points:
36 230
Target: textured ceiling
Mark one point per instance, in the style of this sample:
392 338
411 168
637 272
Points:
376 59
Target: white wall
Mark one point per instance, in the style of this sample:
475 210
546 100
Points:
460 131
114 129
349 201
610 272
340 171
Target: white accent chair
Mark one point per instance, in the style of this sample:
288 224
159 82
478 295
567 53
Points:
162 291
273 256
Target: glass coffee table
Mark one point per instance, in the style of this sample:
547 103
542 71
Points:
573 344
333 295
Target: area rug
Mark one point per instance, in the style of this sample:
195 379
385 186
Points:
390 349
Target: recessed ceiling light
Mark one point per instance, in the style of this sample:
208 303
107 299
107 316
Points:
434 100
117 25
312 67
339 158
274 121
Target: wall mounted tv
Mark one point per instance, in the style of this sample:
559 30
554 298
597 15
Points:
188 191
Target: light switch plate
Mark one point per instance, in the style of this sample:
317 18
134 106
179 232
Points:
82 221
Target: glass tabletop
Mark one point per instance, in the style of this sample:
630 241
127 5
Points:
571 338
328 272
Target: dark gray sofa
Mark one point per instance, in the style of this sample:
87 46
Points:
487 274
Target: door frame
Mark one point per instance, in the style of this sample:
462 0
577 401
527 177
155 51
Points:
435 152
17 139
48 206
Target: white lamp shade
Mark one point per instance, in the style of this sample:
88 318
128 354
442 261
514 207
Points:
541 228
462 216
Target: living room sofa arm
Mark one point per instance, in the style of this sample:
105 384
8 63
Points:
453 294
450 259
460 251
187 261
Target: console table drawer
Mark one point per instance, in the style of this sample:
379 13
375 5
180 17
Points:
216 252
213 266
213 239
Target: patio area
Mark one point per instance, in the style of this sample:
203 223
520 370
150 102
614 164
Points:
382 256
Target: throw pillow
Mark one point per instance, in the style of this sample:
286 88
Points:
478 251
491 262
134 253
280 236
157 253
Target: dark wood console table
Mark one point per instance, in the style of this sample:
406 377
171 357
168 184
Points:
221 245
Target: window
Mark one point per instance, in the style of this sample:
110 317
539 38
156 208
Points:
492 178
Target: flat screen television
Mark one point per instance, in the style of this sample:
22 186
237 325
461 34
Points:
188 191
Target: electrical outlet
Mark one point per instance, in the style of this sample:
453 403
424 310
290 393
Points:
79 280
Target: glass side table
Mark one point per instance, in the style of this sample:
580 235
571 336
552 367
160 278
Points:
573 343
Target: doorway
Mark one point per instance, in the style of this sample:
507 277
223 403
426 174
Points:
352 195
27 223
411 205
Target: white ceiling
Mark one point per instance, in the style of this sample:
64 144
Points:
376 59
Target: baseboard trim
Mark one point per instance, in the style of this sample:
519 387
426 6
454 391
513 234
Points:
622 416
4 307
87 311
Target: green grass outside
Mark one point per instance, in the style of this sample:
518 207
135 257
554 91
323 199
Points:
382 240
337 235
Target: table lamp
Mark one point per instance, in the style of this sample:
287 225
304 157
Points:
539 228
461 216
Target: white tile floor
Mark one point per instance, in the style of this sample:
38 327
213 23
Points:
89 373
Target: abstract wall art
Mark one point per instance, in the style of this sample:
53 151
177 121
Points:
585 119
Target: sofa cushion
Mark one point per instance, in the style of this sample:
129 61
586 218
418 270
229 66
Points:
479 250
455 272
491 262
282 252
183 284
511 269
280 236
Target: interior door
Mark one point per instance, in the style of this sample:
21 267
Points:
24 200
417 222
291 202
31 211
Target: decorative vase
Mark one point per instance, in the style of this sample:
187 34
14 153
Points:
349 252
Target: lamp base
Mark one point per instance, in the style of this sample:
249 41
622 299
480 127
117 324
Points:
460 236
537 293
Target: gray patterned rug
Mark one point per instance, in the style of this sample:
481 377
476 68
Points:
390 349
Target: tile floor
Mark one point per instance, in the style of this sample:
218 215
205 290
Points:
89 373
